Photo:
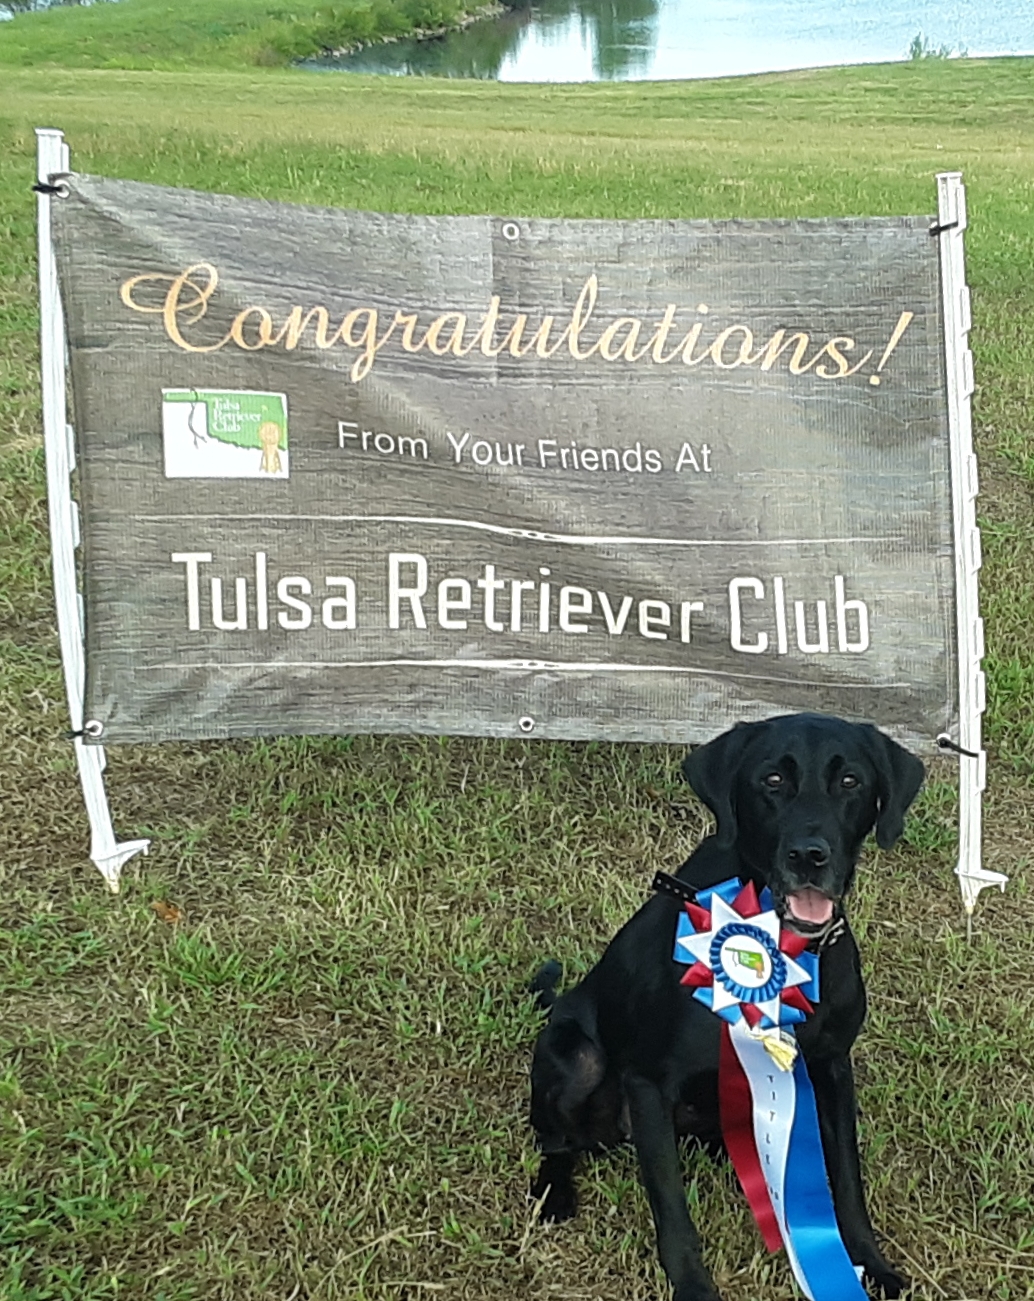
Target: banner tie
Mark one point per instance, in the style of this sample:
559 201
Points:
60 191
945 742
92 729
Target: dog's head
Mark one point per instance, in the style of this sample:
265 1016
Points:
797 796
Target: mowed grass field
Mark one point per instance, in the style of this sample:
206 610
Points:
217 33
314 1085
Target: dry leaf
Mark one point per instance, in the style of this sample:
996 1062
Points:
167 912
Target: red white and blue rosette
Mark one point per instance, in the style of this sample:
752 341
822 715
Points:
761 981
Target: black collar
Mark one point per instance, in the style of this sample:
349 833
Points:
671 885
820 940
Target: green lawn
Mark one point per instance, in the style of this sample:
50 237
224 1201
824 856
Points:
218 33
314 1087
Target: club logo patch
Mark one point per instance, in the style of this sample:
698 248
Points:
755 962
224 434
748 963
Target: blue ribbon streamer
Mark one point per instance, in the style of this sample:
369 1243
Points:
810 1218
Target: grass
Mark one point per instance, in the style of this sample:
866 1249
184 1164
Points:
313 1086
217 33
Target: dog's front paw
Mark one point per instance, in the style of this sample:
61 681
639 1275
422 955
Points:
696 1292
882 1281
558 1199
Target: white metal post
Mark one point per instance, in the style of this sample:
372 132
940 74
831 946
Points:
951 220
109 855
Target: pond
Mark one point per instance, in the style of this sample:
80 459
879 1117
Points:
653 40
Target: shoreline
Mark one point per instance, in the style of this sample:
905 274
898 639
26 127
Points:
481 14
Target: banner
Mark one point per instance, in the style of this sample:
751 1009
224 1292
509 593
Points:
350 472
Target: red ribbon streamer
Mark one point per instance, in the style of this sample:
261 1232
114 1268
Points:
736 1108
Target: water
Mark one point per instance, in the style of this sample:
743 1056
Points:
653 40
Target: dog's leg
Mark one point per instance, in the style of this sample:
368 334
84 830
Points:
568 1066
554 1187
653 1132
833 1080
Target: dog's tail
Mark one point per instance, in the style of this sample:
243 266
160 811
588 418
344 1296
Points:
543 984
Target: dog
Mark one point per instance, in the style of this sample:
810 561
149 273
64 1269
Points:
629 1053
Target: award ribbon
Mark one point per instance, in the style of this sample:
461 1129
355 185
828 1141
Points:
761 981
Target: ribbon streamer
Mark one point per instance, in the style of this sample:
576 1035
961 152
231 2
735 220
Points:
735 1105
785 1127
810 1218
770 1114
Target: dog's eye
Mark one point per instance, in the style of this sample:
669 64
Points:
849 781
774 779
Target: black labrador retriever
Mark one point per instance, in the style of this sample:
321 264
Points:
630 1053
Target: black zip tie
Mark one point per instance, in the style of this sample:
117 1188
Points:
92 728
671 885
939 230
59 191
945 742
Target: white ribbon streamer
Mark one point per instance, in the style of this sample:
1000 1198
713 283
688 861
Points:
775 1101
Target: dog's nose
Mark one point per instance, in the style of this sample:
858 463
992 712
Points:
809 853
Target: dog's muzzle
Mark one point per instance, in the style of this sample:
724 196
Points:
808 908
813 914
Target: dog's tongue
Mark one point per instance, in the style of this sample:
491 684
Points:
811 906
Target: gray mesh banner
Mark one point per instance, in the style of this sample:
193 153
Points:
349 472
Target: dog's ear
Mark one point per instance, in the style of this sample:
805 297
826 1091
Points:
900 775
711 771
